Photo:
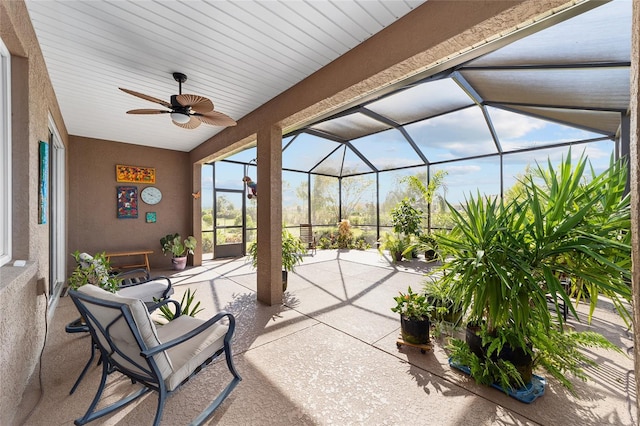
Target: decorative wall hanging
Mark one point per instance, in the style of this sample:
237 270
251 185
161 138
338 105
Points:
151 217
127 202
43 182
135 174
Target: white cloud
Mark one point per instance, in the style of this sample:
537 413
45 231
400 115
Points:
509 125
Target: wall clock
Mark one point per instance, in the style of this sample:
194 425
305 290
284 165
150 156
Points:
151 195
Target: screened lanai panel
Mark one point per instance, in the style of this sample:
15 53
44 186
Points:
342 162
351 126
387 150
285 141
600 35
359 203
229 175
518 131
460 134
606 88
354 164
295 196
423 100
392 190
605 121
332 165
325 196
466 178
516 165
306 151
244 156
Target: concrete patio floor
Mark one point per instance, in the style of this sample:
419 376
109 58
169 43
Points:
328 356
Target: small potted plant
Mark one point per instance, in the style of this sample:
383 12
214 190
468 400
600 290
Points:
395 244
292 250
179 248
415 311
92 270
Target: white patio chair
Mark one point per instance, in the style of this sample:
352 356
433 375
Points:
160 358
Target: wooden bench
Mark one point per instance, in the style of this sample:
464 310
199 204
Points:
144 253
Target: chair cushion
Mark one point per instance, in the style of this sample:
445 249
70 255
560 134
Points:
187 356
147 291
121 334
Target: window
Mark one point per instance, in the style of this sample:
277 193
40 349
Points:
5 156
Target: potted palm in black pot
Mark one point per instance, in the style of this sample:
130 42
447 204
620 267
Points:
504 261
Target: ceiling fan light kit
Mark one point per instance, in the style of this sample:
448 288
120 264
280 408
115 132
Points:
186 110
179 117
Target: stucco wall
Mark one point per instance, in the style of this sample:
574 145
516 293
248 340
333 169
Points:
93 223
24 311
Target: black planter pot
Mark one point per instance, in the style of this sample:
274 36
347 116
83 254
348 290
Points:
414 331
474 341
520 358
430 255
285 277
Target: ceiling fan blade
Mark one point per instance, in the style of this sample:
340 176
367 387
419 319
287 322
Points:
147 97
197 103
216 118
148 111
191 124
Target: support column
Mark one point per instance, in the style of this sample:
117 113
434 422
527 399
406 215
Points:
634 134
196 213
270 215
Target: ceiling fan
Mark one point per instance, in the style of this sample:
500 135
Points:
187 111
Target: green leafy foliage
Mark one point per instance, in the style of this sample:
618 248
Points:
445 306
561 353
173 243
504 259
395 244
412 305
406 219
292 251
96 272
486 371
187 307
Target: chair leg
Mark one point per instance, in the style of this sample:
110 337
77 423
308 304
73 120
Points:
103 381
84 370
91 415
161 400
225 393
229 359
216 402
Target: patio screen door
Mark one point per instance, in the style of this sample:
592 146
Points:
229 235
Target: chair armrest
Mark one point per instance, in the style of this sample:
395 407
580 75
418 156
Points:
165 294
202 327
176 304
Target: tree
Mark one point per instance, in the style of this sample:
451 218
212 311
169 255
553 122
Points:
354 188
428 192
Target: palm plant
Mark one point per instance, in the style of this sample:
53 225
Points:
503 260
187 307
